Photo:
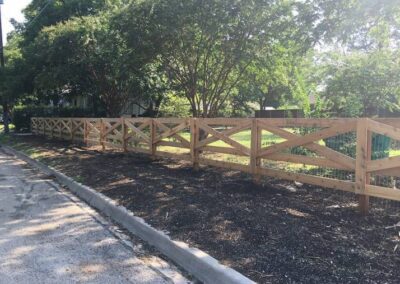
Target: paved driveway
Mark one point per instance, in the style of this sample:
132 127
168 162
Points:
48 236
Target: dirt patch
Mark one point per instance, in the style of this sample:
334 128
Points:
275 232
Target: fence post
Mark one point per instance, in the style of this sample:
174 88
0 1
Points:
153 134
44 126
71 130
255 147
51 123
363 154
124 135
194 139
85 132
102 138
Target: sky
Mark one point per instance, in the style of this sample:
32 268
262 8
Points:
12 9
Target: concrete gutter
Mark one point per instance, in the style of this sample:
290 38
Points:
198 263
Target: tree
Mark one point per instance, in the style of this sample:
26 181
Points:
11 78
85 54
45 13
363 78
275 79
206 47
361 84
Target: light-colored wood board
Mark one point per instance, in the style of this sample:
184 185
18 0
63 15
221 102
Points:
384 129
223 150
309 179
306 160
172 144
225 165
228 132
383 164
244 150
383 192
307 139
324 151
184 157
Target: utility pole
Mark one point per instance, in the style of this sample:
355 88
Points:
2 63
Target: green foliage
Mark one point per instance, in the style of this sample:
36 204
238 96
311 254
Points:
208 48
211 58
173 106
361 84
22 114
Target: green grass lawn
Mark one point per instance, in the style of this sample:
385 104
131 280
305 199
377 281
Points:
243 138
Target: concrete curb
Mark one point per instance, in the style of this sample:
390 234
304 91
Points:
196 262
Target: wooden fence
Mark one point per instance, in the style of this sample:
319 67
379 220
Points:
259 143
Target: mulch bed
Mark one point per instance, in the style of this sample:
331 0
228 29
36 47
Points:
276 232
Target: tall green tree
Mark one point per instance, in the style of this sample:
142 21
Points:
362 84
207 47
86 55
12 80
362 77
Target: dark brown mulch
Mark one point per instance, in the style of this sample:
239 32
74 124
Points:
276 233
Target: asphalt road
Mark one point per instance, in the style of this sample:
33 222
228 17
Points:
48 236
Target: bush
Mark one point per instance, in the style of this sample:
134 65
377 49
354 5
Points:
22 114
346 144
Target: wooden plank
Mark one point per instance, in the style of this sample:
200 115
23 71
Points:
66 124
307 139
223 150
170 133
194 140
395 122
383 192
361 164
255 147
224 138
228 132
184 157
306 160
139 150
225 121
384 129
113 145
172 144
111 128
114 137
306 122
137 131
153 135
102 134
395 172
170 120
138 119
85 133
225 165
383 164
309 179
328 153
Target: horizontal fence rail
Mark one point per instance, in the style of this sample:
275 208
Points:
361 156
